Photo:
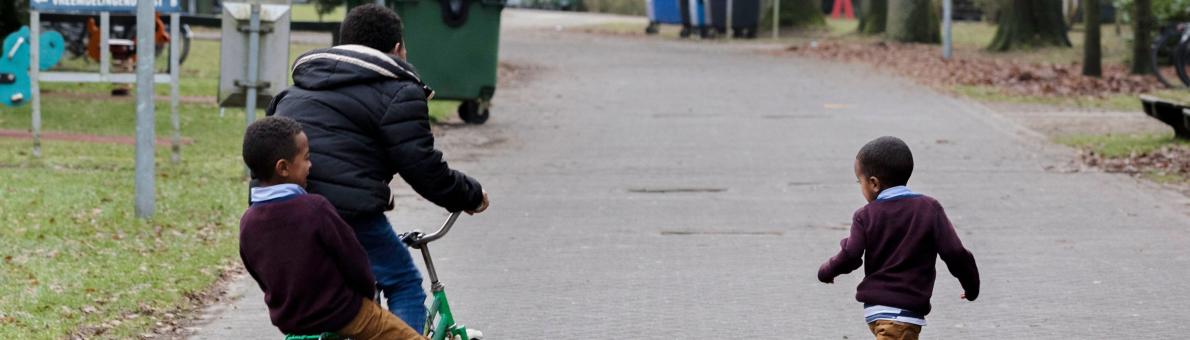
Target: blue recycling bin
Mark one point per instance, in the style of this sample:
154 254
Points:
663 12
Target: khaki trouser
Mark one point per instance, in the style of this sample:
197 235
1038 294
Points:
374 323
892 330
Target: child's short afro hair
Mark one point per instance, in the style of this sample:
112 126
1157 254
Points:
267 141
373 26
888 159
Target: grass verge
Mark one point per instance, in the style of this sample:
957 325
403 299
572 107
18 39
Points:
306 12
1157 157
1119 146
76 261
1115 102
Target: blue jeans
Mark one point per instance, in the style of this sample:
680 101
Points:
396 275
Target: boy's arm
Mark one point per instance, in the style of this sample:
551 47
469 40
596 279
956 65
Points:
341 244
405 129
958 260
252 270
850 257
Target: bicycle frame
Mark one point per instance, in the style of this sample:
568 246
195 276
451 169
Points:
445 328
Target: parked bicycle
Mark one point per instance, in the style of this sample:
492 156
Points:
440 321
1171 55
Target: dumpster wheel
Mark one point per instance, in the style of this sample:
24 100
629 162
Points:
653 28
474 112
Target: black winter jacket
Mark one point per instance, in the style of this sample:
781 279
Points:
367 118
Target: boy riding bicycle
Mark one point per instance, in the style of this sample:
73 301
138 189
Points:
366 112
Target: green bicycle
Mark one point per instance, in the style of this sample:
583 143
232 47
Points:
446 328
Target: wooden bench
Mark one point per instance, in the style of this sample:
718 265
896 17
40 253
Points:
1171 113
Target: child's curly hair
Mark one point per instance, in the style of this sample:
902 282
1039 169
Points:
267 141
888 159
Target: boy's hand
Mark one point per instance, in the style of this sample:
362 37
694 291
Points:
824 275
482 206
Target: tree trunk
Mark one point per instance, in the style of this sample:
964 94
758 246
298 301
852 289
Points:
797 13
1142 41
1030 23
873 16
912 21
1092 54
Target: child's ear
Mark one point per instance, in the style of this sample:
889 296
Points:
281 169
874 181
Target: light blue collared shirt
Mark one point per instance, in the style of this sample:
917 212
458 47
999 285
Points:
895 192
261 194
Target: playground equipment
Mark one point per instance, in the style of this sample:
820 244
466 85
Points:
15 86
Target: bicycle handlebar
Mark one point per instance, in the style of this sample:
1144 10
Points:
416 239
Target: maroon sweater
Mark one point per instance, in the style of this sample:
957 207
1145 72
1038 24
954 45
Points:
313 271
901 238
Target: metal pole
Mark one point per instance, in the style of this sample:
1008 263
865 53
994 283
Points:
192 9
727 24
776 19
253 61
174 53
105 52
425 255
145 24
947 46
35 78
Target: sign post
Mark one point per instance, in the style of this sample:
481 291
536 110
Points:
947 45
730 10
104 9
255 36
175 29
105 34
253 63
145 78
776 19
145 134
34 73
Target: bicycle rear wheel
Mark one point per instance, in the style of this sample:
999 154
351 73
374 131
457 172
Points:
1165 52
1181 58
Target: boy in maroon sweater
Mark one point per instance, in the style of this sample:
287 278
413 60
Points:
314 273
900 234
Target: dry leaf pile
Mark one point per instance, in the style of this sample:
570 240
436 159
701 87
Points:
1169 160
925 64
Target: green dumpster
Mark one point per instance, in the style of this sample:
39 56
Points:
454 45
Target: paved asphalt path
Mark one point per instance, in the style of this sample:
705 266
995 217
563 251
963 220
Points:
652 189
